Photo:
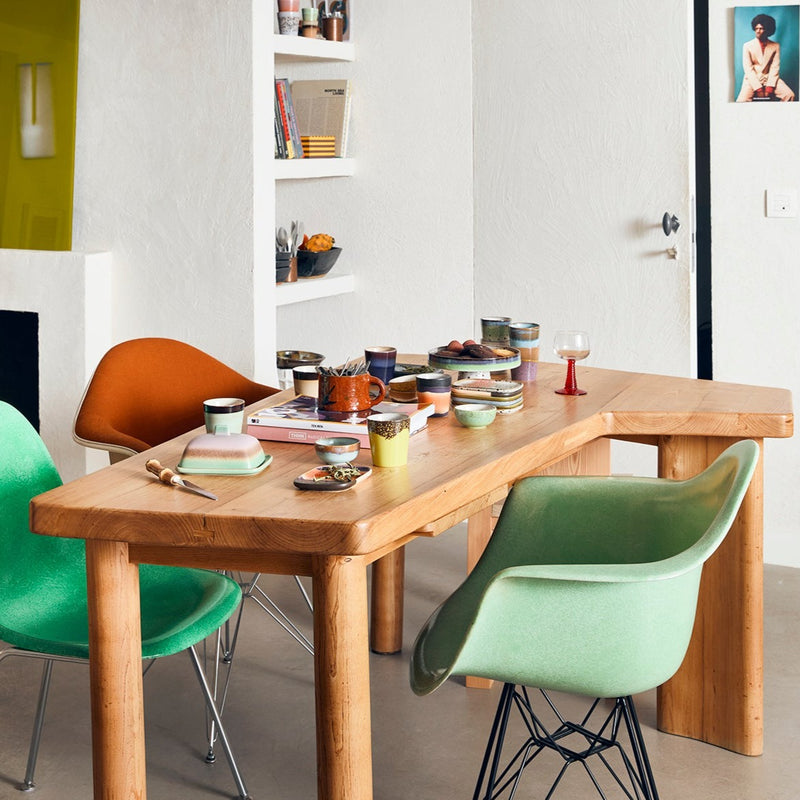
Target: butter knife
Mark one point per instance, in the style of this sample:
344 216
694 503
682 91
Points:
166 475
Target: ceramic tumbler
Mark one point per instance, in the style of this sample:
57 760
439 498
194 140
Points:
342 394
381 362
434 388
525 338
289 22
306 381
388 439
495 330
224 415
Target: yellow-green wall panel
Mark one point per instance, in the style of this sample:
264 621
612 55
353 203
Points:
38 85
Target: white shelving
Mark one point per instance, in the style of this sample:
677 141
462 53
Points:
298 48
312 288
297 168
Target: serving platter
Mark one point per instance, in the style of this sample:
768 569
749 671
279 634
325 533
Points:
467 363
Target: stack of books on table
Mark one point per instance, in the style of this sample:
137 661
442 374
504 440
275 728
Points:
299 420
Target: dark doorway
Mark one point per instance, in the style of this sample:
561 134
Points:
702 190
19 362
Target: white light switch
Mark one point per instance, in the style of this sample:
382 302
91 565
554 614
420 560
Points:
781 202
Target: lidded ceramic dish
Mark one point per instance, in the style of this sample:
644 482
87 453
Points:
223 454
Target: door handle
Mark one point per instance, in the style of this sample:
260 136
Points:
670 223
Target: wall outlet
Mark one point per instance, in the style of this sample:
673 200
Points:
781 202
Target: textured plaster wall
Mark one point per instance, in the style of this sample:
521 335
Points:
756 281
405 219
580 148
164 167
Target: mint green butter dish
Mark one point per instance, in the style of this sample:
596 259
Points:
223 454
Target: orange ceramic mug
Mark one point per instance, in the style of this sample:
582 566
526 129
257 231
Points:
347 393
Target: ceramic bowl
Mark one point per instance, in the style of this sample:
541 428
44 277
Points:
337 449
475 415
315 265
289 359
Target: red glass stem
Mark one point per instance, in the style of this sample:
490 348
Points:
571 385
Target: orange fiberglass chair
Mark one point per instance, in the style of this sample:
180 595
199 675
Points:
147 391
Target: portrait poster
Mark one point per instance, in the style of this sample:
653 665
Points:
766 53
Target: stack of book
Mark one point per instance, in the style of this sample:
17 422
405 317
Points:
299 420
288 143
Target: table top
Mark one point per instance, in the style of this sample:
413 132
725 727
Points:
448 467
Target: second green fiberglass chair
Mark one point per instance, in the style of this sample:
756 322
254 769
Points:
43 600
587 586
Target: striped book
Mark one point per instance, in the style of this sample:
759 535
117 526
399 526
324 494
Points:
319 146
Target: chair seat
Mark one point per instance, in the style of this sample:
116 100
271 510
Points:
179 607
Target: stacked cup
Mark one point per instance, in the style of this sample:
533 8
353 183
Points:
289 17
525 338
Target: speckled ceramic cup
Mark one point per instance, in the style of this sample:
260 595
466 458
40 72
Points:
388 439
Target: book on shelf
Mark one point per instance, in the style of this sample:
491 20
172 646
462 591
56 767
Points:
280 140
299 420
293 131
322 108
290 133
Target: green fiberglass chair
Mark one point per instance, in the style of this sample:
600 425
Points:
43 601
587 586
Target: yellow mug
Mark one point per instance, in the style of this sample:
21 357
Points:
388 439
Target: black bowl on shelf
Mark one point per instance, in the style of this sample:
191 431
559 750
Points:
315 265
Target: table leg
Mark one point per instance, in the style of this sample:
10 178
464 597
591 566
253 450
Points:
115 670
717 695
341 669
386 609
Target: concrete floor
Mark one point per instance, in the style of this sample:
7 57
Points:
428 748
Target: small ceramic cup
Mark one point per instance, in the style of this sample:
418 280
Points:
434 388
495 329
224 415
306 381
289 22
381 362
388 439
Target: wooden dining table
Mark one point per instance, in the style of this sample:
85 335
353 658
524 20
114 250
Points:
262 523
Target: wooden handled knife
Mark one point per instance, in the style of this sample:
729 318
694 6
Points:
166 475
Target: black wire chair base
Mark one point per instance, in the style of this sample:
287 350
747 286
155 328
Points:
575 743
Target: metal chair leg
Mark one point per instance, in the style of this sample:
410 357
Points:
223 737
27 784
494 780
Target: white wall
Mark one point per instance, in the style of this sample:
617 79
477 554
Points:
404 220
755 275
164 167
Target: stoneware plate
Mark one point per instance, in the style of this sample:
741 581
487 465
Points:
319 480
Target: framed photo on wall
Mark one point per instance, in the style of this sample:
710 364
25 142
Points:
766 53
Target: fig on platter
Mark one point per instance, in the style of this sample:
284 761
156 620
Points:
455 346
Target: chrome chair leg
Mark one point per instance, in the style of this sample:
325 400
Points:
223 737
27 784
